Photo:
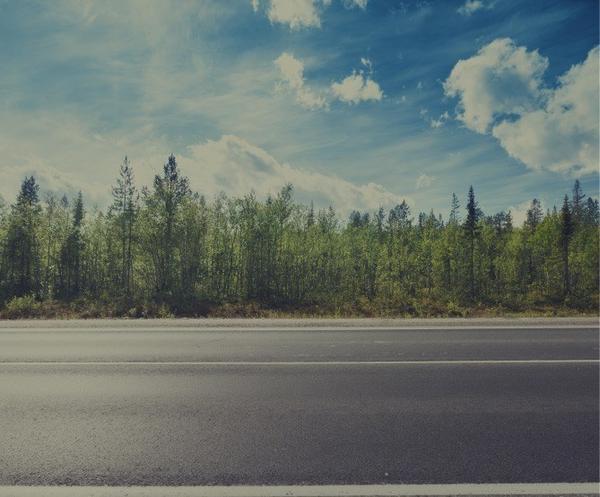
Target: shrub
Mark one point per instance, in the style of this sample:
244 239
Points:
22 307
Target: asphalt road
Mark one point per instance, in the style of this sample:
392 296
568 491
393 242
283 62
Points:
190 407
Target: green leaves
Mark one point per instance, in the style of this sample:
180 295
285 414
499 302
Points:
176 253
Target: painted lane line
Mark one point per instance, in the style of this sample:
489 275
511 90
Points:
307 490
301 363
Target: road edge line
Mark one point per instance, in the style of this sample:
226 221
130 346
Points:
384 490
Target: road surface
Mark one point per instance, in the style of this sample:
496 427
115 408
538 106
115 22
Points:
143 405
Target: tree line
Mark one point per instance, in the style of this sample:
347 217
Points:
166 250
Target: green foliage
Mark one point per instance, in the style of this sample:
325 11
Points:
20 270
176 254
22 307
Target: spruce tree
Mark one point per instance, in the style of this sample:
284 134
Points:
164 203
472 230
566 233
22 264
72 254
578 205
124 208
454 207
534 215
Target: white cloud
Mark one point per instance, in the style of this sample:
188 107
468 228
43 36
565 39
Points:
48 178
472 6
356 88
353 89
292 77
234 166
501 79
292 70
440 121
424 181
501 92
296 14
58 155
367 63
63 158
350 4
563 134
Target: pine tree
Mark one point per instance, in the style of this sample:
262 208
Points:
164 202
71 255
578 204
124 207
566 233
534 215
21 257
379 220
592 213
472 231
454 207
310 218
399 217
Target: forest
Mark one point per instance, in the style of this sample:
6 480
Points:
166 251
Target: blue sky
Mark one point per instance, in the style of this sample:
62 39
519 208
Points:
358 103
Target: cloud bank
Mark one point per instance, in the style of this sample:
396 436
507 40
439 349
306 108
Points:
234 166
501 92
230 164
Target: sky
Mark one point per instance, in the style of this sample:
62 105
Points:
357 103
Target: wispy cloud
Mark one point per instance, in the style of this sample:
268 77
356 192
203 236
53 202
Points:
350 4
472 6
292 77
357 87
86 82
440 121
424 181
228 164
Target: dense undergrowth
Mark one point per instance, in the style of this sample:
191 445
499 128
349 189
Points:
29 308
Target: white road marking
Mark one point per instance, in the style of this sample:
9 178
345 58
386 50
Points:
306 490
299 363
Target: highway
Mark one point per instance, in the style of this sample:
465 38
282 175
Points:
150 405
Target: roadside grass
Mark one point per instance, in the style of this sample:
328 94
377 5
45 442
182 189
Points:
27 307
